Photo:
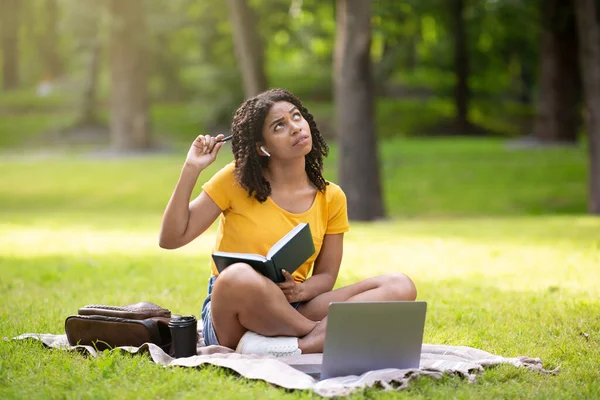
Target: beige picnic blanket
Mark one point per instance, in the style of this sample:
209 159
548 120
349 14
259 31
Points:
436 360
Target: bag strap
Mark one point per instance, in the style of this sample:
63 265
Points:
141 310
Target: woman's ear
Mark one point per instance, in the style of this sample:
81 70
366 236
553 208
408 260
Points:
260 149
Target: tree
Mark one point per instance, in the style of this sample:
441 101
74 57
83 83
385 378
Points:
461 68
9 31
48 42
248 47
354 103
87 110
172 32
86 24
588 29
557 117
396 27
129 125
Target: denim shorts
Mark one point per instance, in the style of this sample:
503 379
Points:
208 330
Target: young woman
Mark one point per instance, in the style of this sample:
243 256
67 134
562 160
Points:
274 183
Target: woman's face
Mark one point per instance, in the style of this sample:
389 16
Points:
286 133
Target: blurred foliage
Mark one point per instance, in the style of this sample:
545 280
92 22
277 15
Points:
194 72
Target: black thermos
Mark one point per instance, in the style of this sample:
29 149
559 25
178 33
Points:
184 335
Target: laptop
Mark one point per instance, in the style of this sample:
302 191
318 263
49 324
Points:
366 336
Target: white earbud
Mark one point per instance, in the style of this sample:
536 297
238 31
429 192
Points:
264 151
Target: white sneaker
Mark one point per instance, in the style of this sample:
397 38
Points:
278 346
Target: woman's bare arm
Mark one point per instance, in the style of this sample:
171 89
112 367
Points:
325 272
184 221
326 268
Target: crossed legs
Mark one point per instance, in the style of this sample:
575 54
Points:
243 300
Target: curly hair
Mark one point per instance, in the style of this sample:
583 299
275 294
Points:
247 128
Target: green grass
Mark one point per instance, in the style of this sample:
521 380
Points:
496 240
27 100
422 178
16 130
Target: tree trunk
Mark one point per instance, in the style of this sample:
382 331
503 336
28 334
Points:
355 103
88 17
412 55
129 125
9 30
589 52
557 117
526 83
249 49
461 68
53 66
88 104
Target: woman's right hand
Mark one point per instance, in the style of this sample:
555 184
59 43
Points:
203 151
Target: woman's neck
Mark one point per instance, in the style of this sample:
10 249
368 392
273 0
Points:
290 174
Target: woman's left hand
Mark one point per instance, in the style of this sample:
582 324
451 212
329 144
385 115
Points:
291 289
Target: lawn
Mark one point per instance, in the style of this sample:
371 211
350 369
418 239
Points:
497 241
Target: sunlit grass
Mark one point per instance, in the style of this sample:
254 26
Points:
501 266
513 291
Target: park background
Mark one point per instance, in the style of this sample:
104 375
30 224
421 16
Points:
464 132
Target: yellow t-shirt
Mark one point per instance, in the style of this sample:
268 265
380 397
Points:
248 226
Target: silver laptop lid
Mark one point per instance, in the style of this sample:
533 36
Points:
366 336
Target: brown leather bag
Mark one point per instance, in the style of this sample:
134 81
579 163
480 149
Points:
104 326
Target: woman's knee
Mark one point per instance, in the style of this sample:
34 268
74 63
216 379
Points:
401 287
239 278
